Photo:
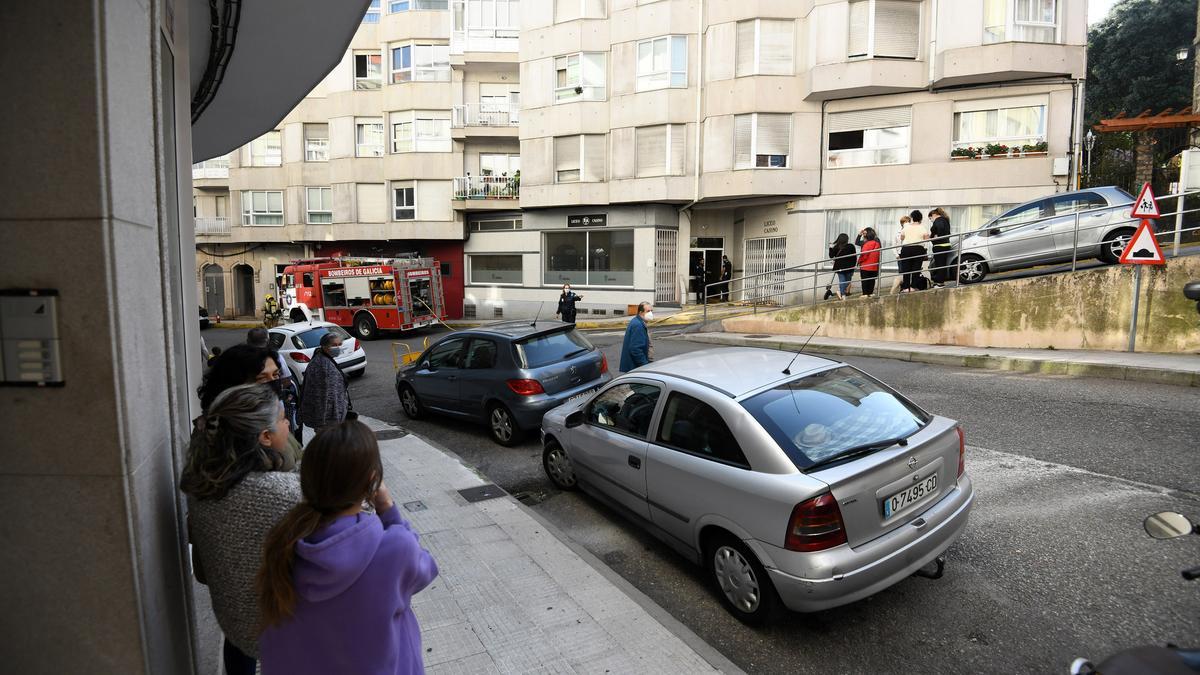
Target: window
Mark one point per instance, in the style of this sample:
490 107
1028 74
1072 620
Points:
404 204
495 225
691 425
1020 21
396 6
262 208
368 138
496 269
579 158
446 354
627 408
1013 126
761 140
420 62
481 354
660 150
421 131
1021 214
310 339
542 350
764 47
499 165
579 77
316 142
869 137
372 15
487 20
662 62
320 205
1065 205
266 150
818 417
589 258
569 10
368 71
885 28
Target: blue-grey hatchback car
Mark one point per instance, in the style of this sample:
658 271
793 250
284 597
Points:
505 374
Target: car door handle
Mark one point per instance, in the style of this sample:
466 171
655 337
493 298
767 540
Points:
635 462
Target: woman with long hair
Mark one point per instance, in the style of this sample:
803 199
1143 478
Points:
248 364
943 250
845 259
868 259
236 491
336 584
912 251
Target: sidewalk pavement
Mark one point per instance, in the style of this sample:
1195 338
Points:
516 596
1178 369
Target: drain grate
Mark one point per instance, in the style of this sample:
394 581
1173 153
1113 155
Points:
757 337
390 434
481 493
414 506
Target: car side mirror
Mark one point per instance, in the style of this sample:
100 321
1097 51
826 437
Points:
425 365
995 231
1168 525
574 419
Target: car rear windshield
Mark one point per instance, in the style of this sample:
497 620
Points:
312 338
541 350
818 417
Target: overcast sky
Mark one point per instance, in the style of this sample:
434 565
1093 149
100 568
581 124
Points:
1098 9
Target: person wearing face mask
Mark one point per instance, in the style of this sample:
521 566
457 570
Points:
325 400
285 385
566 304
245 364
635 348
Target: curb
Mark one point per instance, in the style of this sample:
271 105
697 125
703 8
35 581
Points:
983 361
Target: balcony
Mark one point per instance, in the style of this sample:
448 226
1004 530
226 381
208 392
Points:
213 227
485 26
493 40
209 169
486 115
486 192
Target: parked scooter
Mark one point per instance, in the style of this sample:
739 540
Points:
1150 660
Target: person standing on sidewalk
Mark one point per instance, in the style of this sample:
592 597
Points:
635 348
325 399
845 259
336 584
288 391
237 489
566 304
939 230
245 364
912 251
726 276
868 259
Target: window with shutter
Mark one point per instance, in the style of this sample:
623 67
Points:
402 131
860 27
885 29
316 142
371 199
320 205
677 134
776 38
1020 21
368 138
566 159
593 158
743 136
772 140
651 151
746 48
869 137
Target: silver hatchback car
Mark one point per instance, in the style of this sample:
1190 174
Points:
1042 232
807 484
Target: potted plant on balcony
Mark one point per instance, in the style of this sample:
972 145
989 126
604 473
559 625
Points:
997 150
964 153
515 185
1030 149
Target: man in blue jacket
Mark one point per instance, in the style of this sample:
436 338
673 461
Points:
635 349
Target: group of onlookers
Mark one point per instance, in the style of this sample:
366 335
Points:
309 564
864 256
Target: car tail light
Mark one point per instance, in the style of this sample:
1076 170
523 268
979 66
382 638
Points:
526 387
300 357
962 453
603 364
815 525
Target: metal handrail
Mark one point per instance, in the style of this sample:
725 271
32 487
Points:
758 293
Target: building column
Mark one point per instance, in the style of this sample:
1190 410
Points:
1143 157
96 131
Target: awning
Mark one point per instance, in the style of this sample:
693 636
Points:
257 61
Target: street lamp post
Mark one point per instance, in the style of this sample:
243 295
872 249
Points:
1090 142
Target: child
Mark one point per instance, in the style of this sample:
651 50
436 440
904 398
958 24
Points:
336 585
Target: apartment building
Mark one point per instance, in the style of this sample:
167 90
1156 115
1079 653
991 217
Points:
628 139
407 146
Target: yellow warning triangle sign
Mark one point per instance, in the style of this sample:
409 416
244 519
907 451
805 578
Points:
1143 248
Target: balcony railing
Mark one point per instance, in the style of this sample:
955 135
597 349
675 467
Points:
484 40
486 115
487 187
212 226
212 168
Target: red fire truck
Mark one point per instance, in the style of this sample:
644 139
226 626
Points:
367 295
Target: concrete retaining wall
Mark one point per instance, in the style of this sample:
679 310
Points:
1079 310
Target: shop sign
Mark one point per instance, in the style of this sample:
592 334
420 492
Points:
594 220
769 227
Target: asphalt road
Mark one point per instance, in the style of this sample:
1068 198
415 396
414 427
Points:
1053 565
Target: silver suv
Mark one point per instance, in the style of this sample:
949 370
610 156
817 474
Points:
1042 232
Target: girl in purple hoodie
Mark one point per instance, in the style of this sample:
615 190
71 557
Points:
336 584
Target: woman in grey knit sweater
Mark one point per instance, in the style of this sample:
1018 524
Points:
236 493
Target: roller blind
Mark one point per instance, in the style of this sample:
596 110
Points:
897 28
593 157
372 203
776 38
860 17
870 119
433 200
745 49
774 134
566 153
742 132
651 151
678 149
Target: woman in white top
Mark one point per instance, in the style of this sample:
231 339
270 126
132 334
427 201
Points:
912 250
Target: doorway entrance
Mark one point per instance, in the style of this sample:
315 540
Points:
243 290
766 256
704 264
214 289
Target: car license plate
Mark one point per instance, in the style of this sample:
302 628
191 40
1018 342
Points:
582 394
906 498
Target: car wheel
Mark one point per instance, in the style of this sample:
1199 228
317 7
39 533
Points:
296 315
1114 245
972 269
558 467
410 403
502 425
743 584
364 326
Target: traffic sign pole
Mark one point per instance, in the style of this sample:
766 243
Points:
1133 317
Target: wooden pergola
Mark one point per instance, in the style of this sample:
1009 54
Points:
1167 119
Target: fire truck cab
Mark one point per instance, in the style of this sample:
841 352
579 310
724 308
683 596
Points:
365 295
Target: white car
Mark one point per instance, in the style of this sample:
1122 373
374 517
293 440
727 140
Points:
297 342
